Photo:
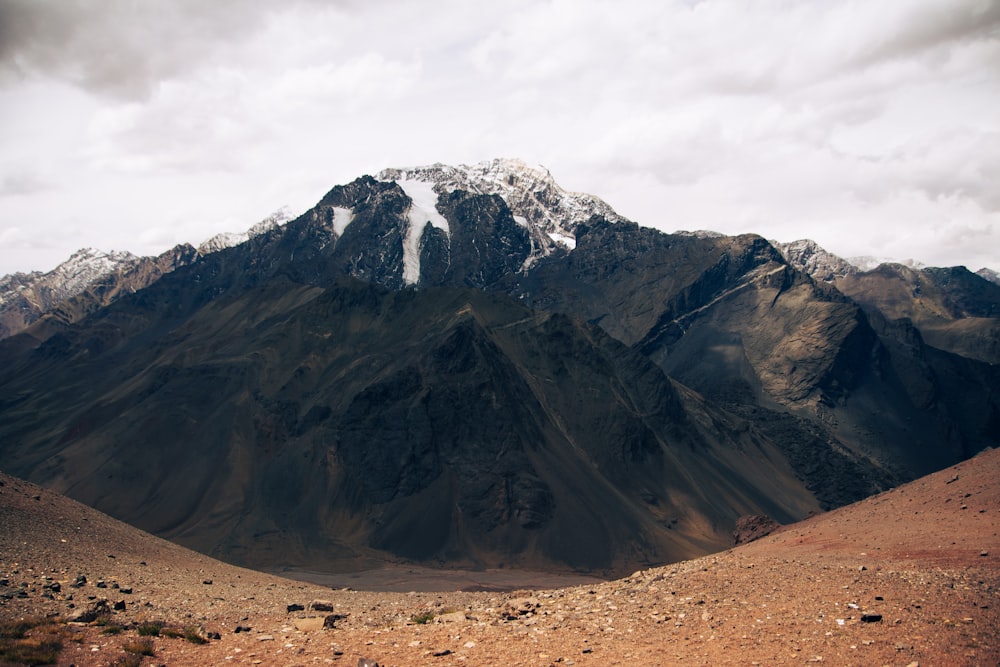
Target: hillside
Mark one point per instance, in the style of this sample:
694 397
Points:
910 575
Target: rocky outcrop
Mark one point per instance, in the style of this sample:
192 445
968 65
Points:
753 527
807 256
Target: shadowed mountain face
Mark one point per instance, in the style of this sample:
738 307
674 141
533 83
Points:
379 379
954 309
728 317
299 425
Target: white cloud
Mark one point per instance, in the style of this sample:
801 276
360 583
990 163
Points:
859 124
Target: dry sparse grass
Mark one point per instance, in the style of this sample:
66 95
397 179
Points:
150 628
31 641
127 660
141 646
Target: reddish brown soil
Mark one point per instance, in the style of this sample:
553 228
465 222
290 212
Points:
925 557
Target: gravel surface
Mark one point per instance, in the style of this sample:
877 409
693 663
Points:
908 577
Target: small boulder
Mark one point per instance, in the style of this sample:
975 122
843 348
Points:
93 612
331 620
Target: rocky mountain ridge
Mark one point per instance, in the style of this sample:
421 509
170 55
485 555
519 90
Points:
232 239
548 213
989 274
952 308
91 278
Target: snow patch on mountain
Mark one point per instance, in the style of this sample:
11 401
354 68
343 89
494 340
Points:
809 257
700 234
422 212
568 241
342 217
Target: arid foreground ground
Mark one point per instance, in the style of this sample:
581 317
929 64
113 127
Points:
909 577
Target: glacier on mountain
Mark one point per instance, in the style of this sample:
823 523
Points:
342 217
422 212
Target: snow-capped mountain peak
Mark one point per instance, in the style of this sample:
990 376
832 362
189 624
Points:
867 263
230 239
550 213
989 274
809 257
84 268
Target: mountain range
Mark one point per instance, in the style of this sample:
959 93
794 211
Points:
472 366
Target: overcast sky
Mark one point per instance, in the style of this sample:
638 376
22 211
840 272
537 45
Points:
872 127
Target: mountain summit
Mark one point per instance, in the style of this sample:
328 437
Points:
550 213
471 366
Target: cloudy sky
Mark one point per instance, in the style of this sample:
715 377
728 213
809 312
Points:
870 127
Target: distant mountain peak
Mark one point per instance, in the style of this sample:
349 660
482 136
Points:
83 268
870 263
989 274
809 257
230 239
25 297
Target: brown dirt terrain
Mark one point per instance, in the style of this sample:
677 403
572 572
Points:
908 577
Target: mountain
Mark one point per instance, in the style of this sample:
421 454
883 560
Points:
807 256
443 424
990 275
549 213
471 366
870 262
952 308
91 279
24 297
231 239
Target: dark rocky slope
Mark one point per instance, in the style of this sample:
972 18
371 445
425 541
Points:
954 309
295 425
